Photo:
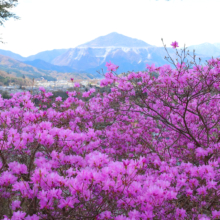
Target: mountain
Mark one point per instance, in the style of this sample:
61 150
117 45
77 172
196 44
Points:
206 49
19 69
12 55
46 56
135 59
96 52
217 45
80 58
6 78
128 53
40 64
59 70
115 40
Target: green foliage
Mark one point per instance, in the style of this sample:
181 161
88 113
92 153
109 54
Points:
60 93
19 72
5 94
7 80
154 74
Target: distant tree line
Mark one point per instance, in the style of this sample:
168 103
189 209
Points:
4 81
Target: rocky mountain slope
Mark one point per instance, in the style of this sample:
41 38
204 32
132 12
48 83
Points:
124 51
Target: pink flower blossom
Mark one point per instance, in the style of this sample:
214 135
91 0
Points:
111 66
77 85
19 215
142 147
42 89
174 44
15 204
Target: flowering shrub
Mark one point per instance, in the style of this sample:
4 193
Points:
149 149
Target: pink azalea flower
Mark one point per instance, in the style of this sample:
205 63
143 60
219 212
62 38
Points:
216 214
18 215
42 89
77 85
151 68
111 66
15 204
174 44
59 99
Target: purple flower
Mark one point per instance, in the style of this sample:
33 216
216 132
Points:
18 215
77 85
174 44
216 214
111 66
15 204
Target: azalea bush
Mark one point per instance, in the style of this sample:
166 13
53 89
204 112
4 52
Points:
148 149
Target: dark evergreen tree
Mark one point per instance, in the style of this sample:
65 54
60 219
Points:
5 13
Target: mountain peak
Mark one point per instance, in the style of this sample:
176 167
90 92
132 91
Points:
114 33
115 39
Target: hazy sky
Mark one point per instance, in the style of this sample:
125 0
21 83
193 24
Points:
55 24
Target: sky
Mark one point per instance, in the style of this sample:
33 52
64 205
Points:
58 24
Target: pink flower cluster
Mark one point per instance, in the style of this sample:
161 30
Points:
111 66
148 149
174 44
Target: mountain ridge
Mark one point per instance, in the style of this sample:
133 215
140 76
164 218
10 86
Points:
19 69
11 54
205 48
128 53
47 55
115 39
41 64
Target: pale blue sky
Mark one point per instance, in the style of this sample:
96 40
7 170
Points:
56 24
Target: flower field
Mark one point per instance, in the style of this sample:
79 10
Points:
148 149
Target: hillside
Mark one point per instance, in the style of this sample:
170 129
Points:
19 69
6 79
